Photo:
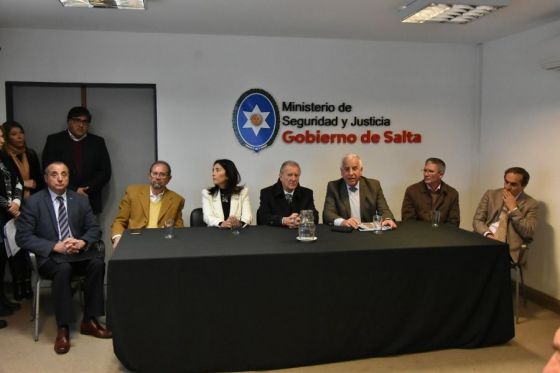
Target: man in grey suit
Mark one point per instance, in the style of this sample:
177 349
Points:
354 199
58 225
508 214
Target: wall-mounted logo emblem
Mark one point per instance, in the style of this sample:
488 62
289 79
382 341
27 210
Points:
256 119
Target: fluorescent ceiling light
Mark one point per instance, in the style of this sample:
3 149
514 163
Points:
448 11
114 4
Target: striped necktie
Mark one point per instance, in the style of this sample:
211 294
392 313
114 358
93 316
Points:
63 227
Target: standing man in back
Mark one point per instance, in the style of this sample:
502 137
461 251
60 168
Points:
84 153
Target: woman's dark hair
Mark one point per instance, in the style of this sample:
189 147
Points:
7 127
233 177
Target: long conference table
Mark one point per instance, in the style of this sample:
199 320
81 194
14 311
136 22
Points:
210 300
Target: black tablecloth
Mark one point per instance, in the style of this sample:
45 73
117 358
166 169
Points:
209 300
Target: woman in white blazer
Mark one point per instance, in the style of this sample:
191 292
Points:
226 204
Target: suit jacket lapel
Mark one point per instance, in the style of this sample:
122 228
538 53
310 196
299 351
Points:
72 213
497 205
296 201
280 199
343 191
217 205
165 205
233 204
364 196
50 208
521 201
145 201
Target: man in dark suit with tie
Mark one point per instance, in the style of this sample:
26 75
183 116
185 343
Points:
354 199
57 224
84 153
508 214
281 203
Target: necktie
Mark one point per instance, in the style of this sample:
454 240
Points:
501 232
62 219
353 189
288 197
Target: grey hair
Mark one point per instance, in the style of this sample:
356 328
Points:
289 163
351 156
438 162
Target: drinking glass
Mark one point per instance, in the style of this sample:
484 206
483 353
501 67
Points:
306 229
377 227
169 224
435 218
235 227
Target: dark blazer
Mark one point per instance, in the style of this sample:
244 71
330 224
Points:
96 164
372 200
521 223
273 206
37 226
417 204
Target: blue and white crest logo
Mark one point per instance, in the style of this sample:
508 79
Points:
255 119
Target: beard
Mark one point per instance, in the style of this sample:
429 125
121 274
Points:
157 186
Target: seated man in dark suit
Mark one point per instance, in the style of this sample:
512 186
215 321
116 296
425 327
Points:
354 199
431 194
281 203
57 224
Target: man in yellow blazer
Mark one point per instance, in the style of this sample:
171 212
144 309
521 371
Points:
148 205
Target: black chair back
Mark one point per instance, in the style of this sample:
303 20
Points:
197 219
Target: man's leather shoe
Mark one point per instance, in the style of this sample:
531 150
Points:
3 324
62 341
94 328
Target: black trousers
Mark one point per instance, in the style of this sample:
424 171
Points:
20 267
61 276
3 261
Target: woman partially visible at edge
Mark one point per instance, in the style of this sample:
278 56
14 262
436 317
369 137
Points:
226 204
24 158
11 191
27 163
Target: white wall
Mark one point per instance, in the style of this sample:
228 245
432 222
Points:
428 88
520 127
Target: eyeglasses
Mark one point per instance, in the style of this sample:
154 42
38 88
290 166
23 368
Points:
158 174
84 122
